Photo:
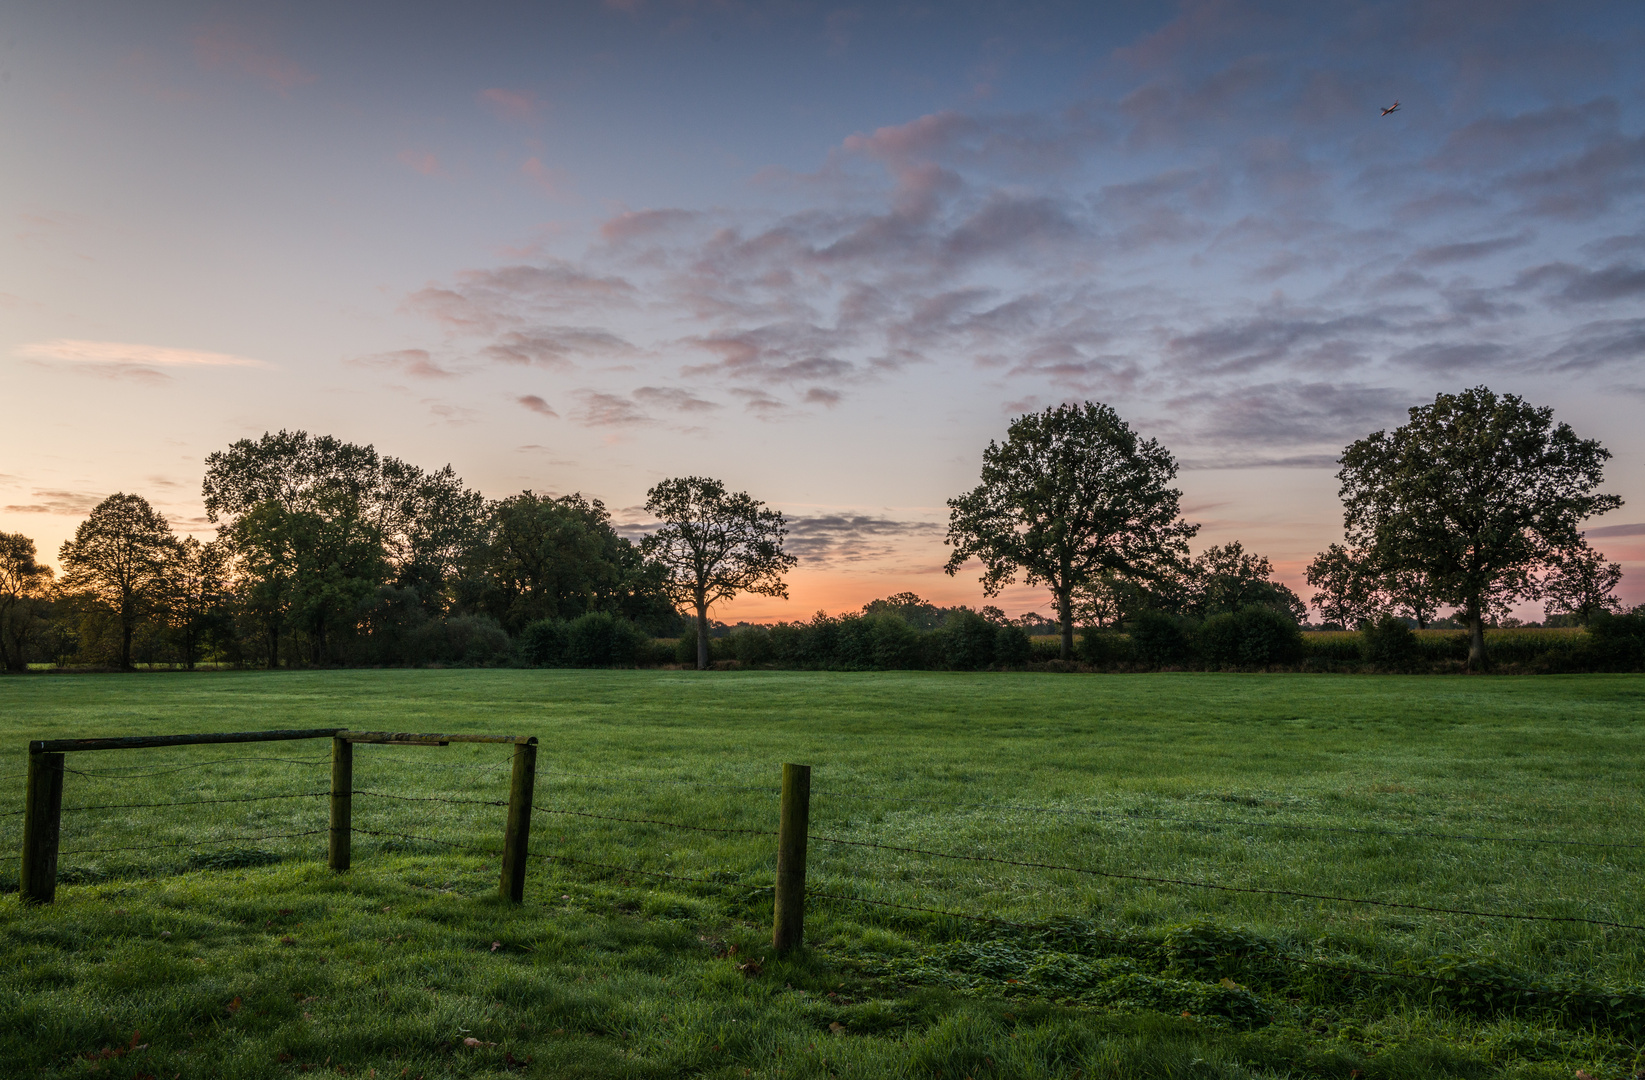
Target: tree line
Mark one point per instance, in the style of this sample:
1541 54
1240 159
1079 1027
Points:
328 553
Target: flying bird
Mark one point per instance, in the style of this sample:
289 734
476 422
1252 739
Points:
1390 108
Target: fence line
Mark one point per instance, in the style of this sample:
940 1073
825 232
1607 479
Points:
191 843
653 821
117 774
1126 815
197 802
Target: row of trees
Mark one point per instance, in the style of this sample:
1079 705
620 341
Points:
322 544
1475 503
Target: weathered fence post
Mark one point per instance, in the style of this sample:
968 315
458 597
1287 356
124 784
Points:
788 922
342 805
522 784
42 825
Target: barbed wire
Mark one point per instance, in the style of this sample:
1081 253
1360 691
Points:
197 802
128 775
192 843
429 798
652 821
547 857
1147 879
554 774
1127 815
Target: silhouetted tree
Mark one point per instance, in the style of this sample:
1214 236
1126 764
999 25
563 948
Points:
1347 591
1477 492
1582 585
118 556
713 545
1071 493
23 585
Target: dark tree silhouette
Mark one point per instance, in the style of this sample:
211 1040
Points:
1072 493
1477 492
713 545
119 556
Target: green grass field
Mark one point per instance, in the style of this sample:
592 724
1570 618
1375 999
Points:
246 957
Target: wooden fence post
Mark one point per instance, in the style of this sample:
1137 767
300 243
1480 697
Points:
522 785
342 805
788 921
42 825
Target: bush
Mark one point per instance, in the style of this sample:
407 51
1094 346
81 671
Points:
1253 636
1105 648
1389 643
475 640
1012 647
895 644
967 642
1159 640
750 645
542 643
601 639
655 653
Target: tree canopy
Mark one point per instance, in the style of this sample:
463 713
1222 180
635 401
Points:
119 556
712 545
1071 494
1477 492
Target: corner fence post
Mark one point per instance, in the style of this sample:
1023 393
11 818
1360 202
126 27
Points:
788 922
42 825
522 784
342 804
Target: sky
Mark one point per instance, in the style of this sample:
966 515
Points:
822 253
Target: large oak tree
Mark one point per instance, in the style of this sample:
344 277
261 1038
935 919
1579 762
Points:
1477 492
23 582
1071 494
119 556
714 544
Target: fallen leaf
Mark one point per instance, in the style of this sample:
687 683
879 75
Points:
288 940
472 1041
495 945
165 933
234 1006
837 1028
1230 984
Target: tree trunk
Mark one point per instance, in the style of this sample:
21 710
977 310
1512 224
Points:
1476 636
1065 612
274 650
125 644
702 637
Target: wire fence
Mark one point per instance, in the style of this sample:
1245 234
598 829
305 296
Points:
462 787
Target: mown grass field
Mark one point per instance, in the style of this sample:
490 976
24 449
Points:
247 958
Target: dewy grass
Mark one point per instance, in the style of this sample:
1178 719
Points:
244 957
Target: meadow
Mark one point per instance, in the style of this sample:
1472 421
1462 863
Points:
209 939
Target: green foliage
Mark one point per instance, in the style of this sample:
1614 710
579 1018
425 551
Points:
1070 495
1012 647
1255 636
1476 493
1389 643
542 643
1106 648
967 641
601 639
1159 640
470 640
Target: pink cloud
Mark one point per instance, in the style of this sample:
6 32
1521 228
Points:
419 161
220 48
414 362
536 405
521 106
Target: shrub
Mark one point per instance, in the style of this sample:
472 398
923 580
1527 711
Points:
967 642
601 639
1012 647
542 643
463 639
750 645
895 644
1159 640
1389 643
655 653
1253 636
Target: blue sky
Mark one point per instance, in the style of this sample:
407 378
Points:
822 252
